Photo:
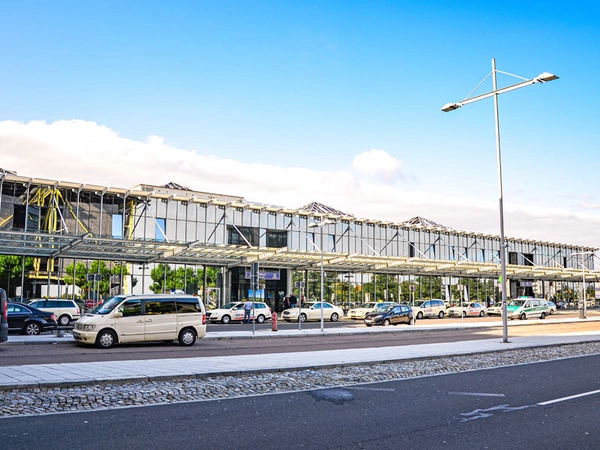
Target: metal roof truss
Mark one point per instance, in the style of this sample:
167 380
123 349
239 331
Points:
82 247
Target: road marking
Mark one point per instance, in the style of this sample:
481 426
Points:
489 412
477 394
570 397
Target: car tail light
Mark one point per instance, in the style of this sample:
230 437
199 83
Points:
5 309
52 316
203 319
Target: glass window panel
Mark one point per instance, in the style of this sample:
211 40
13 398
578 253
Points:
117 226
160 230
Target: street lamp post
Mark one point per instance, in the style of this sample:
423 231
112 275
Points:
321 225
542 78
583 308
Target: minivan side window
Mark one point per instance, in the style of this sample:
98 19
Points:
187 305
132 308
166 306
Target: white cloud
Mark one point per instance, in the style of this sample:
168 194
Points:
86 152
378 165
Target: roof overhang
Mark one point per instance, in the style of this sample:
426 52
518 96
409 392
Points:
87 247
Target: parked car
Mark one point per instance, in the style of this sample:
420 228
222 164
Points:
29 320
91 303
3 318
468 309
143 318
551 308
361 311
430 308
392 315
312 311
234 312
525 308
66 310
495 309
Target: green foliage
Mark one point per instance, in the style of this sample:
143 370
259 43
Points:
10 272
382 288
187 280
81 271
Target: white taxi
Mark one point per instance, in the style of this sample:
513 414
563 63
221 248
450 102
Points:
471 309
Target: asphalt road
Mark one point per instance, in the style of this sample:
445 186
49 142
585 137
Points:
552 405
72 352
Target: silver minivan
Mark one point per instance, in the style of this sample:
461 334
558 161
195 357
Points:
143 318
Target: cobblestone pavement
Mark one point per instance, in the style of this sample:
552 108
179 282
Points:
38 401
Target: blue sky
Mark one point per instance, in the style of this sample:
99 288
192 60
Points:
332 101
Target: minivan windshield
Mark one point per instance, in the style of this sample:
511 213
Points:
108 305
516 302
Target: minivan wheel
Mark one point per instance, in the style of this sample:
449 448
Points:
523 316
419 315
260 319
441 314
33 329
106 339
187 337
225 319
543 316
64 320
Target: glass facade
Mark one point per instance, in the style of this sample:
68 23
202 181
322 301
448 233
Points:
157 214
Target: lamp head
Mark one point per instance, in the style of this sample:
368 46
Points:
450 107
544 77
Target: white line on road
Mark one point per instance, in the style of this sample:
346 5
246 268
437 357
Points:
570 397
477 394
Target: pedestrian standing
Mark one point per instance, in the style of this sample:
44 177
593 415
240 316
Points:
286 302
247 311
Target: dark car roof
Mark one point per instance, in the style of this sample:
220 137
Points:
35 311
378 313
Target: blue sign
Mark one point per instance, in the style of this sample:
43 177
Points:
264 275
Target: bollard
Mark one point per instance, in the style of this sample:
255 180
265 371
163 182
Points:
274 321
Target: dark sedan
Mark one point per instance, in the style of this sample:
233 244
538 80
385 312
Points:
391 316
29 320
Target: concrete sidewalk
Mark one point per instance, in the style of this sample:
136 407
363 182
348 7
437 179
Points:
66 374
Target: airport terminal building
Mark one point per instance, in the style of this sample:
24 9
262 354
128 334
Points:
58 222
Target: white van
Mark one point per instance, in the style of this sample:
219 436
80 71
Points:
143 318
66 311
524 308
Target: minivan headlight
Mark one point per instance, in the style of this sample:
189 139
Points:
88 327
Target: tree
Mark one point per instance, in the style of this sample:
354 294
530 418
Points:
382 287
10 272
187 280
102 287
